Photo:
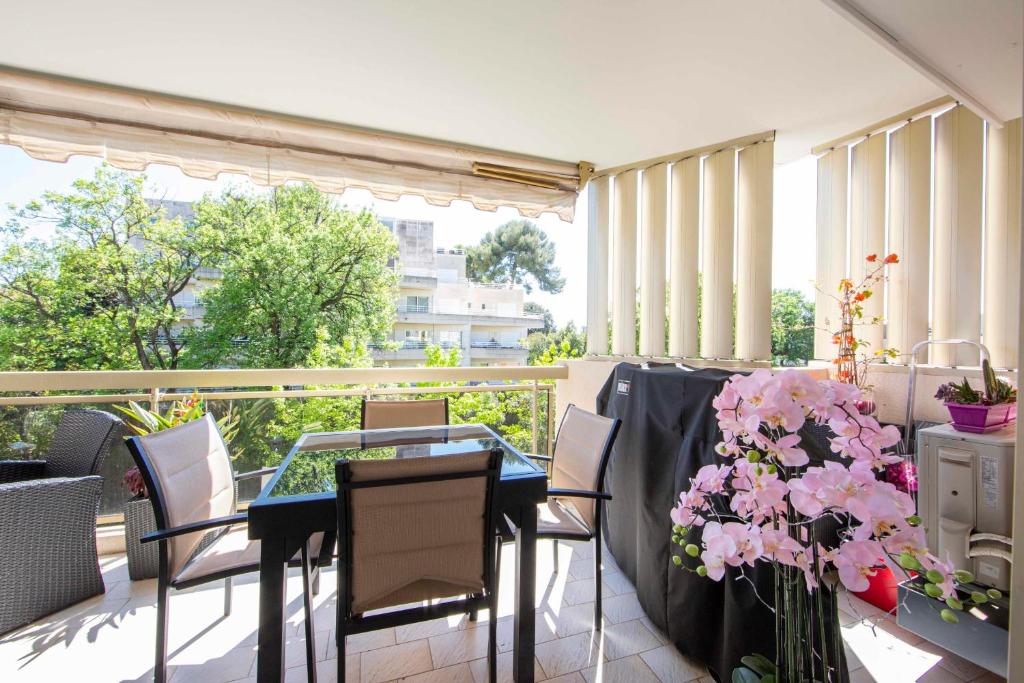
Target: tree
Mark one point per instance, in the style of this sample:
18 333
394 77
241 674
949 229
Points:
100 293
300 273
547 349
792 327
548 320
519 253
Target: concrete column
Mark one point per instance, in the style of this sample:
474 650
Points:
910 158
867 229
754 252
654 230
830 257
956 263
1002 243
597 266
624 265
685 230
716 340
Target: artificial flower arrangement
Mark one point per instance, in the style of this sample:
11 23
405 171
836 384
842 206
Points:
980 411
766 504
851 361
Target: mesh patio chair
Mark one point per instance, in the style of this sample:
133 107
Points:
48 513
416 530
574 507
191 484
393 414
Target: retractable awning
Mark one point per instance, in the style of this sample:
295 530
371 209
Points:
52 119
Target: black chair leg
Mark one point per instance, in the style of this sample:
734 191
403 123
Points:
307 599
316 577
473 613
160 666
597 581
227 596
554 545
492 637
341 655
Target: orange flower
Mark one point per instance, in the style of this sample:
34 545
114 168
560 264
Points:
860 297
835 338
872 258
845 284
892 258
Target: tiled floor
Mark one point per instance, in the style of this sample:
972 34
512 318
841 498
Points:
110 638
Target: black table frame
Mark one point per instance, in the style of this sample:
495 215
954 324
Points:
284 524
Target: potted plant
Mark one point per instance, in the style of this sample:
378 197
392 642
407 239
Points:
980 412
138 511
764 504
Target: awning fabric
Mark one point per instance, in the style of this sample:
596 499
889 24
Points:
53 119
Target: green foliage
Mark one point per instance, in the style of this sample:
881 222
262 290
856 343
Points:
548 320
100 293
437 357
997 391
559 344
143 421
517 252
300 273
792 327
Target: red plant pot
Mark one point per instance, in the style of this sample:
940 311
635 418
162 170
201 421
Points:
979 419
881 591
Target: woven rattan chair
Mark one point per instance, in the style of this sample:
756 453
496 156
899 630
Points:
416 530
48 520
574 507
393 414
191 484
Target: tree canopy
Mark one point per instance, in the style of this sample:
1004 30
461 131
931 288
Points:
99 293
517 252
299 272
792 327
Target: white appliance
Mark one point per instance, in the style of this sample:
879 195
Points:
965 499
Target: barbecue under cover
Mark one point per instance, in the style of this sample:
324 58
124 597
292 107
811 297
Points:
668 432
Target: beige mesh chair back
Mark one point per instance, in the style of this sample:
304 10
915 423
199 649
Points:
193 479
394 414
411 531
580 456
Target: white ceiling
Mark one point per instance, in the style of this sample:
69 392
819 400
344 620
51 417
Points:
609 82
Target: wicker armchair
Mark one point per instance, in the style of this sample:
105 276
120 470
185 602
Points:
48 520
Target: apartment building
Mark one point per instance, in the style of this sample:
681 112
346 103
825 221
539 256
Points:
437 304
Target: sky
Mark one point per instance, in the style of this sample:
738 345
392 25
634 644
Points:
23 179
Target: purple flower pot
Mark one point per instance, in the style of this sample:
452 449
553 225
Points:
979 419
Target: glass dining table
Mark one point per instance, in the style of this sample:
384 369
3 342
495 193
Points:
300 500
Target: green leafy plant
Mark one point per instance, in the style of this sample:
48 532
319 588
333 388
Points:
997 391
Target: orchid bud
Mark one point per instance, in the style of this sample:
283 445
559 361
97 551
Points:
963 576
953 603
994 593
935 576
753 456
914 520
949 616
677 561
979 598
702 571
908 561
675 539
772 469
692 550
932 590
678 528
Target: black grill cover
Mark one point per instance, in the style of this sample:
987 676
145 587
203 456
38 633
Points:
668 432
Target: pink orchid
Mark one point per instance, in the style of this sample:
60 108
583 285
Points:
785 451
856 561
719 548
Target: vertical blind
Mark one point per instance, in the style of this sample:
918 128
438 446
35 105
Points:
950 184
701 222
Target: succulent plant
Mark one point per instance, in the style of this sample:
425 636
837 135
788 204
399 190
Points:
997 390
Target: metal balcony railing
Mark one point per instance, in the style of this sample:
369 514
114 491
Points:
413 308
497 345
